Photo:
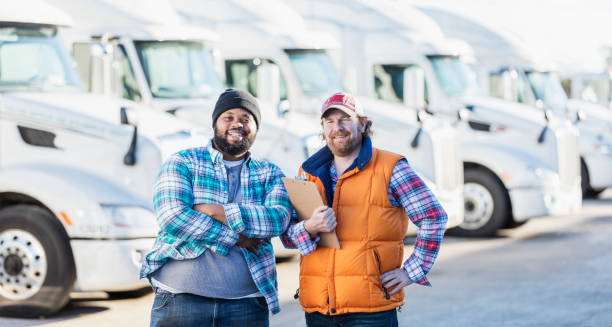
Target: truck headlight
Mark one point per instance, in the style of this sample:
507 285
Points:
541 176
603 148
130 216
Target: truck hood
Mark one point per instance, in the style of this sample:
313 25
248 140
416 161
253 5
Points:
505 109
591 110
169 133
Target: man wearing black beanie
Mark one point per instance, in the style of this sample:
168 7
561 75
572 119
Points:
218 208
235 142
234 98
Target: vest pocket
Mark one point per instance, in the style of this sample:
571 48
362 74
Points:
377 259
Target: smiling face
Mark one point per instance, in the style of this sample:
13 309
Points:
235 132
343 133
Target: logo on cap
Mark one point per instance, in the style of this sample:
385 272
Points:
345 102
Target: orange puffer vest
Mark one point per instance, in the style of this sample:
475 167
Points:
370 230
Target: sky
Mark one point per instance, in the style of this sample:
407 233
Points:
574 34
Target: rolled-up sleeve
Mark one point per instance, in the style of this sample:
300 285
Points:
408 190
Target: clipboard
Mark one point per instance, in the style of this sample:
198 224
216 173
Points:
305 198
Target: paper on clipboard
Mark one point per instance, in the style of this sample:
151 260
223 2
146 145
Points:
305 198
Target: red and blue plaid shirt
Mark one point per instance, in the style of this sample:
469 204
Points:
408 190
197 176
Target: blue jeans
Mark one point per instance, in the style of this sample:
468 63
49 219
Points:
192 310
365 319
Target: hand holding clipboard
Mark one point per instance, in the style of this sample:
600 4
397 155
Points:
305 199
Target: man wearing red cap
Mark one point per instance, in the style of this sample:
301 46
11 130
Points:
370 194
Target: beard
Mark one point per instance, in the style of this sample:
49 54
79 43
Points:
344 148
233 149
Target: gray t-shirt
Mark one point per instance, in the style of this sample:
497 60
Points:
212 274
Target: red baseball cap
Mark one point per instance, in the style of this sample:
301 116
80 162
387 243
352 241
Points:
345 102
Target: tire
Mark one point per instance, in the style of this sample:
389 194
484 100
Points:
585 183
584 179
486 205
510 224
37 271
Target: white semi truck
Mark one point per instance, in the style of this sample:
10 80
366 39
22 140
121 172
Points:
508 69
160 61
253 34
517 164
76 171
589 86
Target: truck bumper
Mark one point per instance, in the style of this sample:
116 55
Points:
110 265
545 201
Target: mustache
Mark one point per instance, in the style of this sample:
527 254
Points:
339 134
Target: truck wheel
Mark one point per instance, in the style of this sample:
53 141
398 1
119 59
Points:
37 269
584 179
585 182
486 205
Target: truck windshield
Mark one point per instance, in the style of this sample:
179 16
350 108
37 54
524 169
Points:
315 72
34 59
455 78
178 69
547 87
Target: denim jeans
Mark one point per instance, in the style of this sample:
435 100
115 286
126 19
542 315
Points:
192 310
365 319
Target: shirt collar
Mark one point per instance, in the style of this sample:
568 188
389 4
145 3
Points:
325 156
217 157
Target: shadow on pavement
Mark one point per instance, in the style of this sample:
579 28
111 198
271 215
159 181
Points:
129 294
78 308
74 309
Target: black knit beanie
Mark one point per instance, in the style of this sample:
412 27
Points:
234 98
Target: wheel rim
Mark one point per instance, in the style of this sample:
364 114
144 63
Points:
479 206
23 264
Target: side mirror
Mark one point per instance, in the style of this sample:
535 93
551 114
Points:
548 114
123 116
268 82
128 116
283 108
414 88
580 115
463 114
95 63
129 159
510 85
349 78
219 64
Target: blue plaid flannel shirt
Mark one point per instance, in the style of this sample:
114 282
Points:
197 176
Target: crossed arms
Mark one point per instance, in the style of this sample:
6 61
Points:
216 224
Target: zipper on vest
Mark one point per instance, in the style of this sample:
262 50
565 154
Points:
387 296
297 294
327 306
